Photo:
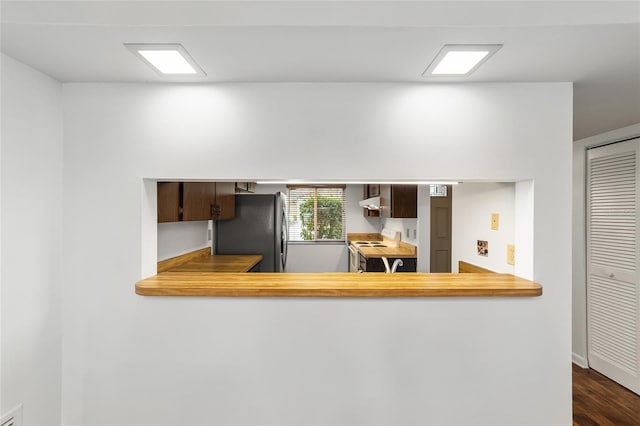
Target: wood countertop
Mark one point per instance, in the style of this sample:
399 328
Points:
359 236
219 263
404 250
392 252
201 260
345 284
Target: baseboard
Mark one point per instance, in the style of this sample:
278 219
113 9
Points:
580 361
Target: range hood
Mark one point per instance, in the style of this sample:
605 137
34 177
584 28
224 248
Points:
372 203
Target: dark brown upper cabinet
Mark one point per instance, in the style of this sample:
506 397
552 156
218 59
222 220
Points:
198 199
399 201
191 201
169 195
225 202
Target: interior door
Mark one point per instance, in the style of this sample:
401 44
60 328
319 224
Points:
613 316
441 231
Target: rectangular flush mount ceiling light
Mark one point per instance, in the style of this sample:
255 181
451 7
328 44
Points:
167 59
460 59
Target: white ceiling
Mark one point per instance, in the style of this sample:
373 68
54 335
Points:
596 45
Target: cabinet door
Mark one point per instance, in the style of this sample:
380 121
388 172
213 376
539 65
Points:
408 264
374 264
377 265
168 202
198 199
225 203
385 201
404 201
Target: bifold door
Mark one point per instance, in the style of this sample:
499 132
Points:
613 296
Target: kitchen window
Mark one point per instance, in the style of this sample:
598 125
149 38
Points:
316 213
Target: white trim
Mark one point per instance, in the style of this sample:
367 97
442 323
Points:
580 361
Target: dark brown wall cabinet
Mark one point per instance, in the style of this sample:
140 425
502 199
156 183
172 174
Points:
225 202
399 201
169 195
186 201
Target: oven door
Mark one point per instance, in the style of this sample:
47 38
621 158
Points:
354 259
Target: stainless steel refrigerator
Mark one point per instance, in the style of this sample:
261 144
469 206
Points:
259 227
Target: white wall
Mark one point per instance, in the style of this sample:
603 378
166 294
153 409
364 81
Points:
424 229
524 235
472 206
579 254
356 221
271 189
189 361
31 199
176 238
401 225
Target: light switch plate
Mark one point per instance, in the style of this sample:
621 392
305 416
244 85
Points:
495 221
511 254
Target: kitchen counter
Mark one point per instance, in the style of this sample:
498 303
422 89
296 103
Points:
200 274
404 250
201 260
219 263
175 283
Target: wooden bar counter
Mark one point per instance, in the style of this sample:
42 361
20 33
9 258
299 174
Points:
200 274
223 284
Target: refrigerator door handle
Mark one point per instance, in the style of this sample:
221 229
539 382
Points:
284 242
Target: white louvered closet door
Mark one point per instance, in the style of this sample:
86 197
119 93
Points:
613 262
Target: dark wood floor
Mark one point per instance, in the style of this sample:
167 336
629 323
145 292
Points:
599 401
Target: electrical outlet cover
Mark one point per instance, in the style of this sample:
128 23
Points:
495 221
511 254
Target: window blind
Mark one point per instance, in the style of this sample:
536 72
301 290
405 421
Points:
316 213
